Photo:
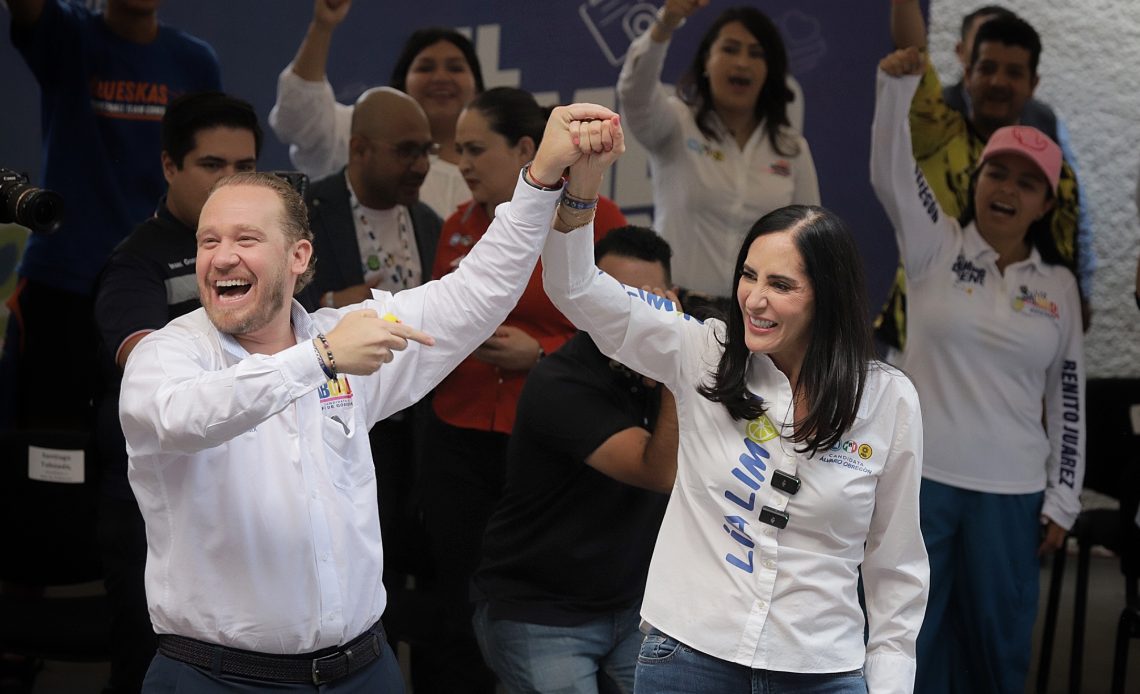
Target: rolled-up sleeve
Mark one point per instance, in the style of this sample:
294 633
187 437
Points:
308 118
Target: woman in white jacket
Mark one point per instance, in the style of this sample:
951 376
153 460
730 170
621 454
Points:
798 464
995 351
722 151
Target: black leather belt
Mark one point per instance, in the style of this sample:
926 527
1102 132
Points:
319 667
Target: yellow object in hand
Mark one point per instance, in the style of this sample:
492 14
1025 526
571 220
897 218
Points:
390 317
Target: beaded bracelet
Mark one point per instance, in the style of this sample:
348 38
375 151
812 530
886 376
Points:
321 360
568 219
576 202
328 352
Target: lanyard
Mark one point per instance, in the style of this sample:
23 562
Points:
392 267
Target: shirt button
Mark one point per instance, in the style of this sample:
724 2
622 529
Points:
761 604
770 532
326 557
769 564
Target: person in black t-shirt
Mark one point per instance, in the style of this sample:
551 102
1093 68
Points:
148 281
592 456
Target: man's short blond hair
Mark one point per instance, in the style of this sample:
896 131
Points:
294 213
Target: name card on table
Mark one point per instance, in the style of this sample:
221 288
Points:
55 465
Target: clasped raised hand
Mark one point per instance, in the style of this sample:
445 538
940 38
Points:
575 131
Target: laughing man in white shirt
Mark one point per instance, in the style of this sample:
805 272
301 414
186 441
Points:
246 427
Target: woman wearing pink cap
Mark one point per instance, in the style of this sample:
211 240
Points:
995 351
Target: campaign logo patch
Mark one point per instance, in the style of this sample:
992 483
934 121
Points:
457 239
704 150
781 167
335 394
967 274
850 454
1035 302
761 429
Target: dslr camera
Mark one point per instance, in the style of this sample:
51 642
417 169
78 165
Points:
24 204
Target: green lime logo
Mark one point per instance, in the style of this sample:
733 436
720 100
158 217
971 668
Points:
865 451
761 429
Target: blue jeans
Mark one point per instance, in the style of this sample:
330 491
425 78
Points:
598 656
667 666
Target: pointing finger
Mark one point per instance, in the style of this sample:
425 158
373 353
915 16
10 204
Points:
409 333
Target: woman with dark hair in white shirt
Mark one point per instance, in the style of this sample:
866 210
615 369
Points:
798 469
723 150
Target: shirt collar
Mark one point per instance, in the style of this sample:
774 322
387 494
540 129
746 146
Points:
764 376
725 135
975 248
303 329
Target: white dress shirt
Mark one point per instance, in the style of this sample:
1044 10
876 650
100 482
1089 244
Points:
720 580
254 474
317 129
707 193
985 348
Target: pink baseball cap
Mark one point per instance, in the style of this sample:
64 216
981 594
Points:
1030 143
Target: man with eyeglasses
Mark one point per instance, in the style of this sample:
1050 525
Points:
370 230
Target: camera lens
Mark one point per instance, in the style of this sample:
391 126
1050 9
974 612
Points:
39 210
35 208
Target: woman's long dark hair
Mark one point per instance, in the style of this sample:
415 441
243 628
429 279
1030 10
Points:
834 369
1039 235
771 107
421 39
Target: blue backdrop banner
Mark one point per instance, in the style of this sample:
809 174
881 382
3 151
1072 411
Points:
563 51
